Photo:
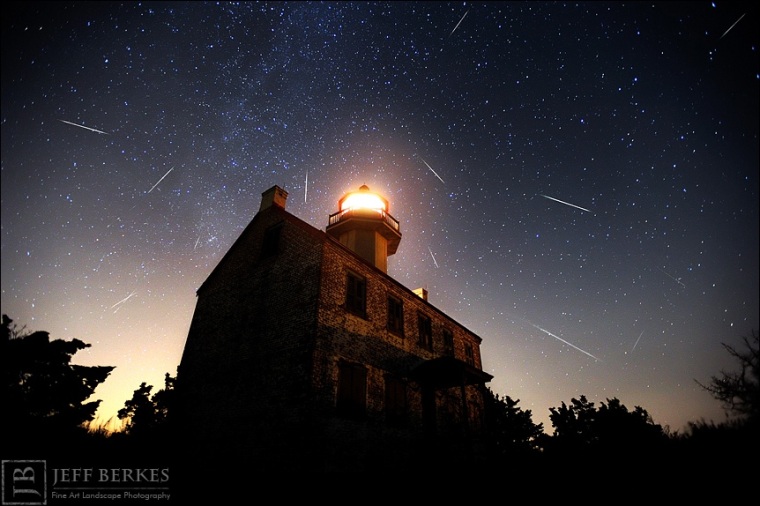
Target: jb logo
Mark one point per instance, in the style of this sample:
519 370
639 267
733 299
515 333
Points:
24 483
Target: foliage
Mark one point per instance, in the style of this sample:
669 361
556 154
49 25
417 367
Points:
511 431
581 427
574 424
740 391
146 415
45 392
41 385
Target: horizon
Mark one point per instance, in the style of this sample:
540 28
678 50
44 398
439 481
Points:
576 184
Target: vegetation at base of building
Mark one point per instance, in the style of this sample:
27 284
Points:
147 416
45 397
47 406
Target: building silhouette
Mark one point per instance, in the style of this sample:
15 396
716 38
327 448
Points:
304 355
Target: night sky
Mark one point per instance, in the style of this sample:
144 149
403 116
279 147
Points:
577 183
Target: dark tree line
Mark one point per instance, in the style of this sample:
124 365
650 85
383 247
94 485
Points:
46 396
580 429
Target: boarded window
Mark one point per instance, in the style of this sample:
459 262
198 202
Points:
469 355
425 329
352 390
395 401
396 316
448 343
356 294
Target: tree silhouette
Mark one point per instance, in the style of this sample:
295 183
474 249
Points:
612 429
573 425
740 391
511 438
510 429
138 412
628 430
148 416
42 390
736 441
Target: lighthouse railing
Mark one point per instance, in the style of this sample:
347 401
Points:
364 213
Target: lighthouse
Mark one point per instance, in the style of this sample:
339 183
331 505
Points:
304 355
364 225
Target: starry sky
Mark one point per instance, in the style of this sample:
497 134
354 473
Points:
577 183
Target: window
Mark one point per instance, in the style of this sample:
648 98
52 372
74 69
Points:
352 390
356 294
448 343
395 315
395 401
425 329
271 244
469 355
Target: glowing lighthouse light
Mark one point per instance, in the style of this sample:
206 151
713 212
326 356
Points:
363 199
363 225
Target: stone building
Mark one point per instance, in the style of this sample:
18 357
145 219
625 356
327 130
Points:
303 354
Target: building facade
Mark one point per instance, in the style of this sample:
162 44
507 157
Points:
303 354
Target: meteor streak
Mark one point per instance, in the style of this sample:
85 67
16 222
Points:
167 173
637 341
671 277
460 22
431 254
569 344
431 170
732 26
566 203
122 301
91 129
306 191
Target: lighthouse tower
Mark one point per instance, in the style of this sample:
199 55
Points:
364 226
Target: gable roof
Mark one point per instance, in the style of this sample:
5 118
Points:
325 239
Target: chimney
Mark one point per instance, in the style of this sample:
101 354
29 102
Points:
273 196
421 293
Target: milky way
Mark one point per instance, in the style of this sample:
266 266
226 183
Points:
576 183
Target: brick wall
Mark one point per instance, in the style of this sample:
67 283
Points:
259 374
345 336
246 362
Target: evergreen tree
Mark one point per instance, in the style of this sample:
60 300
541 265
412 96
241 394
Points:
511 434
44 394
147 415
